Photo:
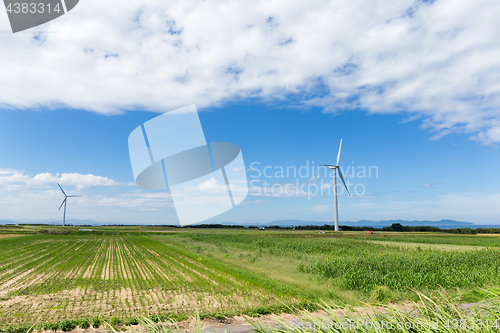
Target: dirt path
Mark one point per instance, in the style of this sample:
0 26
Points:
10 235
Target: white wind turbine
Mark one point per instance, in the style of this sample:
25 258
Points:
336 167
64 202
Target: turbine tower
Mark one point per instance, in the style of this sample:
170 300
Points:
64 202
336 167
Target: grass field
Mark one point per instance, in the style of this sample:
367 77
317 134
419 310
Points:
429 238
355 262
47 275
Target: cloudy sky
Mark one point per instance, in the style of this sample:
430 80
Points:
412 87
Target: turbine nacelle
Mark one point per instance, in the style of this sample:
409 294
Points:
330 166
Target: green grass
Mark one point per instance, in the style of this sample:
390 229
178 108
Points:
403 270
117 274
428 314
472 240
427 246
438 313
353 262
284 244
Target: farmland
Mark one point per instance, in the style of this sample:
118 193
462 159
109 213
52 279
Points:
126 272
50 278
337 266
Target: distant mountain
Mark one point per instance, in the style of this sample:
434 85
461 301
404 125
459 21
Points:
444 224
439 224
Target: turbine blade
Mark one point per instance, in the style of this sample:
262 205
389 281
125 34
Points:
72 196
338 156
61 189
62 204
340 174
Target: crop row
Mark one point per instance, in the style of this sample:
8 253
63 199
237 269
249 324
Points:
47 278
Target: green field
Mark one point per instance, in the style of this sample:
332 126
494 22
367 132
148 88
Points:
49 274
50 278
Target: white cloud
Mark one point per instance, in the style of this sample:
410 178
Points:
85 181
125 206
132 201
15 179
210 186
147 195
6 171
436 61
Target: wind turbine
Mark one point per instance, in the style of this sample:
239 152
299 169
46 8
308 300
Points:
336 167
64 202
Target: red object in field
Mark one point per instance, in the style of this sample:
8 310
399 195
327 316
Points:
368 232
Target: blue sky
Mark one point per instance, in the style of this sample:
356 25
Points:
418 178
284 80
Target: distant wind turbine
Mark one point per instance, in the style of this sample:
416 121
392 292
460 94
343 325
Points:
336 167
64 202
